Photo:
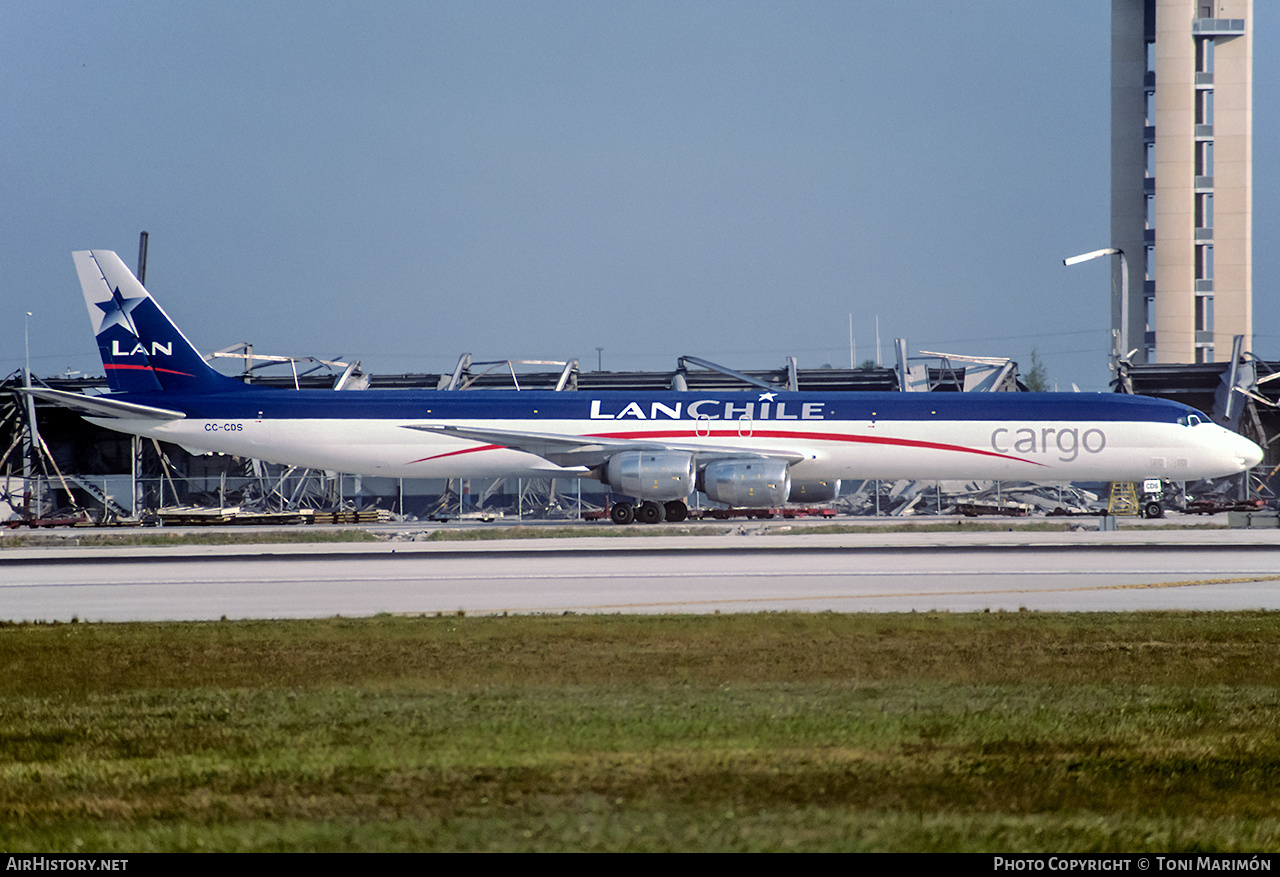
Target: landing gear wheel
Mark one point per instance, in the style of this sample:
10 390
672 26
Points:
676 511
651 512
622 513
1153 510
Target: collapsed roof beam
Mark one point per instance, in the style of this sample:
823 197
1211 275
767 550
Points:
570 369
463 378
725 370
464 367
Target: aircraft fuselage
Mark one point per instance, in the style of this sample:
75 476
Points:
1035 437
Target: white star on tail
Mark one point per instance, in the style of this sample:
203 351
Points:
116 311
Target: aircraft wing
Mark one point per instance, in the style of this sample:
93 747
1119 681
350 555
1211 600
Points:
102 406
584 450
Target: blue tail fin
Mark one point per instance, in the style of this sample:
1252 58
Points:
142 350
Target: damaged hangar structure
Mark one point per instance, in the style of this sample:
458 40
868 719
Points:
55 464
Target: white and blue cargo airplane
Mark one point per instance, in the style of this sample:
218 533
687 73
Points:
756 449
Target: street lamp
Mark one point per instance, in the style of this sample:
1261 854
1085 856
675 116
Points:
1123 351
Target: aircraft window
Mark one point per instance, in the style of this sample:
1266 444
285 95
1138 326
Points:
1192 420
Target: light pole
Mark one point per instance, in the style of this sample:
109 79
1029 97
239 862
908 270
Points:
1123 350
26 337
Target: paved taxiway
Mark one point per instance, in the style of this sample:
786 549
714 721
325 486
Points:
892 572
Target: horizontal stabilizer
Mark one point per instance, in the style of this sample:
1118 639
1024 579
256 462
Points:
102 406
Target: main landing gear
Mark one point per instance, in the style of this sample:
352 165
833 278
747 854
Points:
649 512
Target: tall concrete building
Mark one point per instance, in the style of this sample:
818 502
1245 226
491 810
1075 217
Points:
1181 173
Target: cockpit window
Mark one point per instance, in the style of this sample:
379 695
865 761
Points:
1191 419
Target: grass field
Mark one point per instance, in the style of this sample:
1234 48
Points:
998 732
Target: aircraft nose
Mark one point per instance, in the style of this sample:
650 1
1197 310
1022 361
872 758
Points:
1249 453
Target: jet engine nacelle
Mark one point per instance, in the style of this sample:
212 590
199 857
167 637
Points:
823 490
658 475
750 483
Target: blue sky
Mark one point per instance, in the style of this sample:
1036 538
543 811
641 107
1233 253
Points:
401 182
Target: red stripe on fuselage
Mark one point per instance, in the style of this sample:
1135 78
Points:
463 451
772 433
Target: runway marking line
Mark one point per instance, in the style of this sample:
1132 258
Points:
1191 583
